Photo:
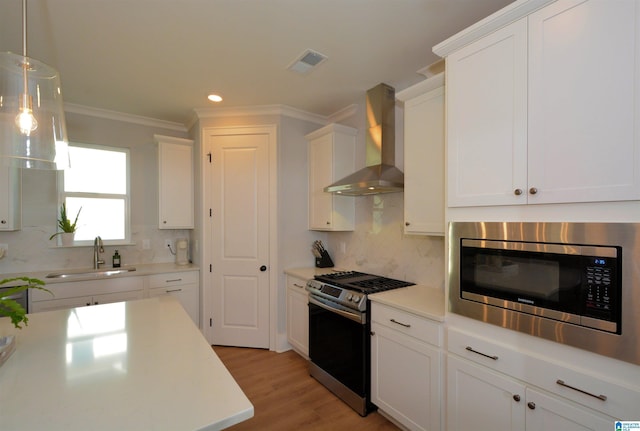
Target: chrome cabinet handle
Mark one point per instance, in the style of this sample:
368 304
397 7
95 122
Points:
494 357
173 281
407 223
600 397
533 190
173 290
328 223
297 285
406 325
516 398
517 192
531 405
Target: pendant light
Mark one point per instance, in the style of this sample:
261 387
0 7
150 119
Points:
33 132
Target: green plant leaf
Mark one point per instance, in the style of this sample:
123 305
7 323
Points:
9 307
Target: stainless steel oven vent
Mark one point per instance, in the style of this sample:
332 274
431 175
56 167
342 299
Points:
380 174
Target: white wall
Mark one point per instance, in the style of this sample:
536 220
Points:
30 248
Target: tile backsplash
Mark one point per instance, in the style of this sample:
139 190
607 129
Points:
379 246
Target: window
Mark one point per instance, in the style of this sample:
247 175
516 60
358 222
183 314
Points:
97 183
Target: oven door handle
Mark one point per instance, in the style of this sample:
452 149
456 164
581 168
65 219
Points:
356 317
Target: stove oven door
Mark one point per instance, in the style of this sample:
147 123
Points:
339 345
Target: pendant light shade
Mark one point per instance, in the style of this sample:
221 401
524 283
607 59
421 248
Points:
33 131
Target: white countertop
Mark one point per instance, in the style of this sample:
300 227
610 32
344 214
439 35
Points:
425 301
138 365
141 270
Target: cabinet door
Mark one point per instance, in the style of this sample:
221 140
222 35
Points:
583 101
487 120
188 296
175 198
331 152
320 176
405 378
545 413
424 163
297 316
10 203
60 304
478 399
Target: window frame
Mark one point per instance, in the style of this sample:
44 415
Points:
62 194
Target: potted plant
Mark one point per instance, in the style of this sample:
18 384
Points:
9 307
67 229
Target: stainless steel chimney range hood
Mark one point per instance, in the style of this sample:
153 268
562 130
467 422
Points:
380 175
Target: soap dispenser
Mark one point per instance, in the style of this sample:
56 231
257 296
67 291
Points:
116 259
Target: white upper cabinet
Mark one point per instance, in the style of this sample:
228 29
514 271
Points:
424 157
175 183
10 202
331 151
543 110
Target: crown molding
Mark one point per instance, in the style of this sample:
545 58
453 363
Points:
507 15
343 114
246 111
119 116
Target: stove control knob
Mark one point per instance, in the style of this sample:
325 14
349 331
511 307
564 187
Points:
348 297
356 298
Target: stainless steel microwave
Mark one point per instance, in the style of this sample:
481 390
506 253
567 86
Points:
573 283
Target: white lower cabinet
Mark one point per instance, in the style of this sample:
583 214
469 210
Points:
298 315
480 399
494 387
181 285
84 293
405 367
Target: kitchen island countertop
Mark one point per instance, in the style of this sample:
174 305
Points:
137 365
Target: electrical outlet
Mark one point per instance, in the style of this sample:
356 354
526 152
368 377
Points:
4 250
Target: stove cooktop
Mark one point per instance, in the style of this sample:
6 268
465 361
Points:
361 282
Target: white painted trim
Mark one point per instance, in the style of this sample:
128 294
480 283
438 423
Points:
507 15
421 87
173 140
246 111
343 114
119 116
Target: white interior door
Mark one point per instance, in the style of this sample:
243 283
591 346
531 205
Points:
237 187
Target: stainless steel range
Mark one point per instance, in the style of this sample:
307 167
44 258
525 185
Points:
339 333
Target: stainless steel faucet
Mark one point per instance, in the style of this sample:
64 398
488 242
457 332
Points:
97 249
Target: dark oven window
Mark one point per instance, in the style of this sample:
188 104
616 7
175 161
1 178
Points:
340 347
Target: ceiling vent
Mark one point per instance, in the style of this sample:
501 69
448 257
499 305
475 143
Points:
307 61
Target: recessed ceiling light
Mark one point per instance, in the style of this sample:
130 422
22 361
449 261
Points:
214 98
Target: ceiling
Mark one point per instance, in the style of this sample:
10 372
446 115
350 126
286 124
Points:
161 58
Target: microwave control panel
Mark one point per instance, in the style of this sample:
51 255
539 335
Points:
600 282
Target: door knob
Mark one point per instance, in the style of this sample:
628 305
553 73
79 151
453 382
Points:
263 268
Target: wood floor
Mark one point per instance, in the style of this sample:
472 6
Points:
285 397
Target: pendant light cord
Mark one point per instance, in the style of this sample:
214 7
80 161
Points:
25 63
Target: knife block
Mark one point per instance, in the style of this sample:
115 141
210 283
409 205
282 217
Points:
324 261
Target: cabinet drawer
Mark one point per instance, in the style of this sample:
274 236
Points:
296 283
622 399
407 323
173 279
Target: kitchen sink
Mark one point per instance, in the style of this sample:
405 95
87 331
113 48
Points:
88 273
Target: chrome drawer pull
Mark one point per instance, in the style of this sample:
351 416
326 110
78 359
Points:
297 285
494 357
600 397
173 281
173 290
406 325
